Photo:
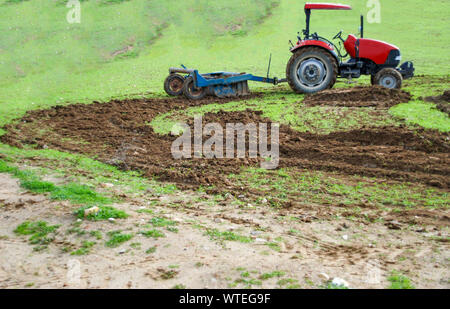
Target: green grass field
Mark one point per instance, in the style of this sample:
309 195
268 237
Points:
124 48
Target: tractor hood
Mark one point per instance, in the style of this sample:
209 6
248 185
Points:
377 51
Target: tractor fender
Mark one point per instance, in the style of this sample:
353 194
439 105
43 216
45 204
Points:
316 43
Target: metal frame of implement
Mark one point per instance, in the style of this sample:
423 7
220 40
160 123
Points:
225 84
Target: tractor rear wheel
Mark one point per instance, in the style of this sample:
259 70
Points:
191 92
173 85
311 69
388 78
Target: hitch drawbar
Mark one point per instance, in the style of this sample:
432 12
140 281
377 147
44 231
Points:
196 86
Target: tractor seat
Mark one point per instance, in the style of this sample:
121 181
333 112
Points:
350 43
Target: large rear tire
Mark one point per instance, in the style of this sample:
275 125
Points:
173 85
388 78
191 92
311 69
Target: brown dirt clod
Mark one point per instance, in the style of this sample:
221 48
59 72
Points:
376 96
442 102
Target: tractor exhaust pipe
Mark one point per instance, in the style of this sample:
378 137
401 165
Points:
361 28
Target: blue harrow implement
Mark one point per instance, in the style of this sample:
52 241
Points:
196 86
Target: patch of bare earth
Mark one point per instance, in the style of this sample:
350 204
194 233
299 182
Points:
305 240
298 242
442 102
378 97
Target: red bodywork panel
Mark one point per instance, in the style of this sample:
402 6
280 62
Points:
326 6
314 43
377 51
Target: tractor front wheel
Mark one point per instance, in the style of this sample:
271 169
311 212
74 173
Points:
191 92
388 78
311 69
173 85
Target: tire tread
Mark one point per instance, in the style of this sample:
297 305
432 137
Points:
299 53
391 71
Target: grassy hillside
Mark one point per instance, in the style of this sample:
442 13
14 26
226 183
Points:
124 48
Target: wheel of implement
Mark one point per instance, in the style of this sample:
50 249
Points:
173 85
311 69
191 92
388 78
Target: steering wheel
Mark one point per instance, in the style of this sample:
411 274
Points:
338 36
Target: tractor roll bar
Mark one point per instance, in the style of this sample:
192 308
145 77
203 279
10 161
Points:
321 6
326 6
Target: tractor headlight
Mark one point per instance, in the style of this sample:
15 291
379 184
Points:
398 58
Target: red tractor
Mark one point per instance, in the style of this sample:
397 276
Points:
317 62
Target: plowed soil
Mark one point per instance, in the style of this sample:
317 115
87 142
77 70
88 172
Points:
359 97
445 97
442 102
118 133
